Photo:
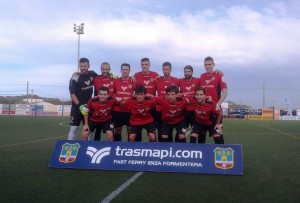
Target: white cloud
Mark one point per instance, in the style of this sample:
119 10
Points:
37 44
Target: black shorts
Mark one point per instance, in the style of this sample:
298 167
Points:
106 126
76 116
201 129
167 129
149 127
189 118
121 118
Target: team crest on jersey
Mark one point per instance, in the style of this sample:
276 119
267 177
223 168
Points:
87 82
111 83
147 82
224 158
124 88
68 152
193 85
152 79
130 86
213 78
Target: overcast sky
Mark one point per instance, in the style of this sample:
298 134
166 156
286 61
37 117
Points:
255 43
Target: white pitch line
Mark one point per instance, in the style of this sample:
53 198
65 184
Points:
63 124
33 141
115 193
280 132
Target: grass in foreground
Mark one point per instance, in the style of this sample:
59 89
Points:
271 163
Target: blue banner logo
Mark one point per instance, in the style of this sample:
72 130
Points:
97 155
68 152
224 158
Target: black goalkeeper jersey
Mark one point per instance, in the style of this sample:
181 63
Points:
82 87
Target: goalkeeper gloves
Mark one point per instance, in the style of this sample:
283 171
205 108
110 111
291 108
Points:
83 109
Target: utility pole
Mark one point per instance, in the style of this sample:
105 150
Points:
31 96
27 91
263 95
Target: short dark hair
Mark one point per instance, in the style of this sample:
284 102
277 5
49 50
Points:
140 89
200 89
104 88
189 67
105 63
125 64
167 64
172 88
84 60
209 58
145 59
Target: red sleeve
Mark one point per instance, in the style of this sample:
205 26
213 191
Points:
89 105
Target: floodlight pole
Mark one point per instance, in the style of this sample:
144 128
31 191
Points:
79 31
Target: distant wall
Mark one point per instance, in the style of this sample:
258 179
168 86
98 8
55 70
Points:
31 109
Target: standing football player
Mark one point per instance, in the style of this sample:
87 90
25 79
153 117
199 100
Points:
124 88
147 79
81 90
214 83
188 85
161 85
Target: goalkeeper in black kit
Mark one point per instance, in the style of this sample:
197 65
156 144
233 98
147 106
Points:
81 90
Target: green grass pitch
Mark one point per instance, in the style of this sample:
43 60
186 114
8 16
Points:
271 152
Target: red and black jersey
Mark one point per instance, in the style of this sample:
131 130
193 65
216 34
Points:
123 88
98 111
205 113
100 81
147 80
162 84
140 112
82 87
188 88
213 83
172 113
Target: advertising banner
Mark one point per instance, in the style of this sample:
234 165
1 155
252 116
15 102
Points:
257 117
245 111
8 109
51 108
254 111
267 112
22 109
147 156
290 118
